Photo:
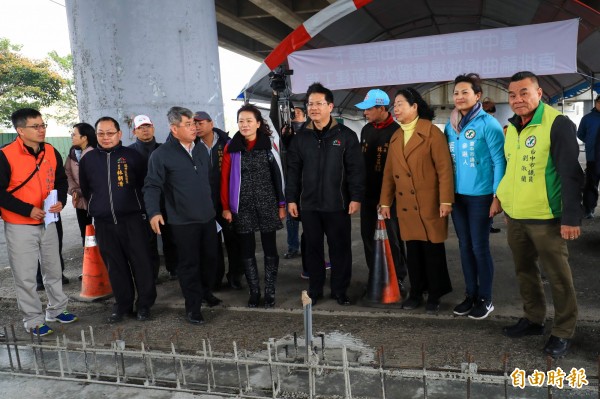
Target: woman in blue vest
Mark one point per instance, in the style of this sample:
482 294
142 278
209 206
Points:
476 144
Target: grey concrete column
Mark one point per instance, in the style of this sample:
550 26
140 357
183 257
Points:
144 56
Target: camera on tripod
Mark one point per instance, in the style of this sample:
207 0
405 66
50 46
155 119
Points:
278 79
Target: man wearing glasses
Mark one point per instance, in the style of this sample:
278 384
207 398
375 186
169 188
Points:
111 179
215 140
326 178
145 144
179 170
30 170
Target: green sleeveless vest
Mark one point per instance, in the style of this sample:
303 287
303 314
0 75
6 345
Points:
530 188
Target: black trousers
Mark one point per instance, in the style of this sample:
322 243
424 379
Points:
232 245
368 224
83 219
268 241
427 269
169 250
590 190
125 250
336 226
197 260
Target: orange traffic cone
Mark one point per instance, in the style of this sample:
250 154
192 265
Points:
383 284
95 284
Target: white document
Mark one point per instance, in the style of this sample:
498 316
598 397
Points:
49 202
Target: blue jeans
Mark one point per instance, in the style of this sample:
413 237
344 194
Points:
470 215
292 226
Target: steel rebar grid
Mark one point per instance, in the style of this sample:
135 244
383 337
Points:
147 378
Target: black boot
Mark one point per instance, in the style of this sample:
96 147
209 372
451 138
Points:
251 270
271 267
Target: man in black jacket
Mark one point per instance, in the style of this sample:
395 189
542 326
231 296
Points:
145 143
111 178
179 170
214 140
375 138
326 180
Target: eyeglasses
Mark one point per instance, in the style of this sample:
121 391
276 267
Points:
38 127
106 134
75 134
317 105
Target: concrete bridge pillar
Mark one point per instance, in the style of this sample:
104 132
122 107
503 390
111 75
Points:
144 56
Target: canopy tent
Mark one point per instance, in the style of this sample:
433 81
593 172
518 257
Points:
349 22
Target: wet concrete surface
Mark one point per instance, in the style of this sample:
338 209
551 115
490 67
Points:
406 337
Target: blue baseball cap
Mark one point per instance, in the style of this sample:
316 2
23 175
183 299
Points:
375 97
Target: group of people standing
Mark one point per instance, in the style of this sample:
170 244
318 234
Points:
472 172
202 186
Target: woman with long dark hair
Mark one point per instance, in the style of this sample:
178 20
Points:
418 173
253 199
476 144
84 140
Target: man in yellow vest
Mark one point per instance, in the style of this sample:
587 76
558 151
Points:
540 194
32 175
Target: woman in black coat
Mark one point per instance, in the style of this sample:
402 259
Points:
252 197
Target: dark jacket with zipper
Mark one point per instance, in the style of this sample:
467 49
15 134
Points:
184 181
216 159
325 168
111 181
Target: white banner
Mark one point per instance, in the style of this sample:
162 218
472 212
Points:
545 49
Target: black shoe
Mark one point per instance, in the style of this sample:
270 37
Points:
40 287
589 215
432 306
291 255
465 306
254 299
172 276
481 309
269 301
314 297
522 328
194 318
342 299
234 282
143 314
494 230
65 280
557 347
211 300
412 303
115 317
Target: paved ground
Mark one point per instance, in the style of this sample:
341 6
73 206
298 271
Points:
446 339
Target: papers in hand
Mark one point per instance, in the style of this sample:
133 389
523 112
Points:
50 217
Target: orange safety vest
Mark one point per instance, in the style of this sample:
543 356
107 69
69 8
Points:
22 163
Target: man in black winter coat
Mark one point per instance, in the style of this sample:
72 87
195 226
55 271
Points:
214 140
179 170
111 178
375 138
326 181
145 143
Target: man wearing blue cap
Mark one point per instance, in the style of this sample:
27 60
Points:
375 138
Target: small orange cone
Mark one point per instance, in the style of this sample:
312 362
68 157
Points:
94 284
383 284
